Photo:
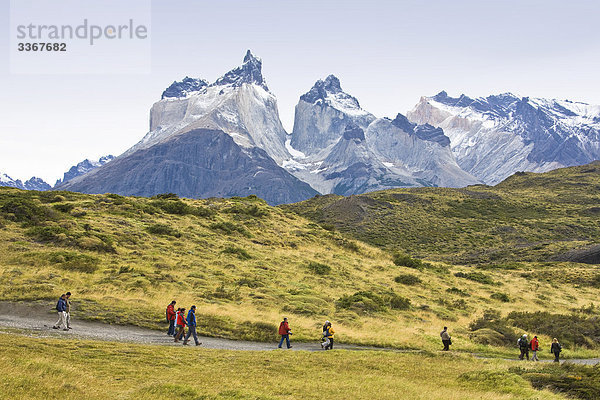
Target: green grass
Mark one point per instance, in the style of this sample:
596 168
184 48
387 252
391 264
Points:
55 369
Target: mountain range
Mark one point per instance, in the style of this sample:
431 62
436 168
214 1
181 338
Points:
225 139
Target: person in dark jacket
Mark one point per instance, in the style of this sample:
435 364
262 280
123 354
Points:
446 340
171 316
180 324
61 308
524 347
191 322
285 332
555 349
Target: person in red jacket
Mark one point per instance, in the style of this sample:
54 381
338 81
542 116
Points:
535 345
171 316
180 324
285 332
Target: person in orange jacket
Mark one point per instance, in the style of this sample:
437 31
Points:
535 345
171 316
285 332
180 324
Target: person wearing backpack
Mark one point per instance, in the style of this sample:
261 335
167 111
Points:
191 323
61 308
446 339
524 347
535 345
285 332
180 324
171 316
555 349
329 334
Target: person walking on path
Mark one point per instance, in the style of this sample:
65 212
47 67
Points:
446 339
285 332
191 322
61 308
524 347
171 316
180 324
68 310
535 345
329 334
555 349
324 339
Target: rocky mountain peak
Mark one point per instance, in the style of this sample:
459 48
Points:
184 87
249 72
324 88
403 123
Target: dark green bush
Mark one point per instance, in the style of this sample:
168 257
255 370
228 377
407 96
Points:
230 227
237 251
178 207
407 279
399 302
402 260
47 234
166 196
319 268
476 277
25 210
162 229
64 207
362 302
503 297
252 210
493 321
455 290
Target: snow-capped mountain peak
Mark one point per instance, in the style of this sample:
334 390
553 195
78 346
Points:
328 92
249 72
184 87
492 137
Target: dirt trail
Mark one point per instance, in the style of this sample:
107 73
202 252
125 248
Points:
36 320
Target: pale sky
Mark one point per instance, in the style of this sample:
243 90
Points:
386 53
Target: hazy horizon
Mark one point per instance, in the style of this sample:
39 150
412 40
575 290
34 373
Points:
386 54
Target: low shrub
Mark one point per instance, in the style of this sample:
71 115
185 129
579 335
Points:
319 268
25 210
503 297
457 291
47 234
230 227
402 260
476 277
242 254
492 320
407 279
64 207
364 302
251 210
162 229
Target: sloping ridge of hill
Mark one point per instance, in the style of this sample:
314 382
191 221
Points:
527 217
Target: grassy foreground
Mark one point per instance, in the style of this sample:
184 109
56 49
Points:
56 369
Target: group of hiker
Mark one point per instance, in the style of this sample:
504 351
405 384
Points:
534 345
178 321
63 307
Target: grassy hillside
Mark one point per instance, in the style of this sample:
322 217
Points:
245 264
528 217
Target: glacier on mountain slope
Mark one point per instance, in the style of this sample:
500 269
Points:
496 136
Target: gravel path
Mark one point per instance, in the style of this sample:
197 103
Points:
35 320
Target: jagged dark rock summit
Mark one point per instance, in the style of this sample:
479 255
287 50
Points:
249 72
184 87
